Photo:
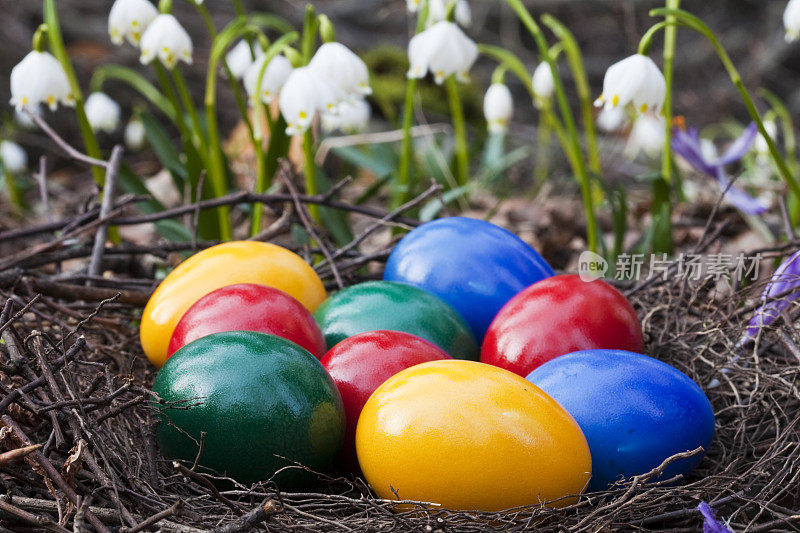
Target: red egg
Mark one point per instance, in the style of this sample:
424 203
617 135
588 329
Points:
249 307
557 316
361 363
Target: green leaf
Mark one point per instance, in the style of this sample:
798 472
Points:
366 158
432 209
165 151
135 80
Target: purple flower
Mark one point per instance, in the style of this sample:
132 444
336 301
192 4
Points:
688 145
710 522
779 293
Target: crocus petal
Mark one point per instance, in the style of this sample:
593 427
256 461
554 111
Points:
738 197
710 522
739 147
687 145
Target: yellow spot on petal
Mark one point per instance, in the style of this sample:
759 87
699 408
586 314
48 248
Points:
135 23
643 108
51 100
615 100
303 115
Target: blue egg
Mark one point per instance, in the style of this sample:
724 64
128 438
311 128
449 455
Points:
473 265
635 411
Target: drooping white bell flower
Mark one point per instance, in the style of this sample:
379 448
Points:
791 20
611 119
102 112
275 75
128 19
760 144
305 94
543 83
15 160
352 117
135 135
444 50
647 135
166 40
342 68
40 79
498 107
240 58
437 11
635 80
413 5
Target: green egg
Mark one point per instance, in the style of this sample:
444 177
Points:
263 403
387 305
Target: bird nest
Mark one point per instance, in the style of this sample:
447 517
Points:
77 430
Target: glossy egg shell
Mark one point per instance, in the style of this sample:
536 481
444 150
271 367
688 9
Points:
470 436
360 364
218 266
249 307
473 265
635 411
557 316
383 305
256 396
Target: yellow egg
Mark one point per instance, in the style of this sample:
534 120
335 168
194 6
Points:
470 436
218 266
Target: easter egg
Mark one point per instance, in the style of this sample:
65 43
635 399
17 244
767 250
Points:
635 411
250 307
556 316
360 364
473 265
262 402
218 266
470 436
379 305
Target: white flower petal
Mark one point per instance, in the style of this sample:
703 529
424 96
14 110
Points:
275 75
166 39
498 107
240 58
647 135
444 50
543 83
15 160
437 12
342 68
791 20
352 117
102 112
611 119
135 136
636 81
305 94
128 19
40 79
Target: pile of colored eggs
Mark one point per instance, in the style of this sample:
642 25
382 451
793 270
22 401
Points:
384 376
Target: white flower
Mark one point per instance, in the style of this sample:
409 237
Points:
135 136
437 11
275 75
647 135
413 5
240 58
498 107
760 144
342 68
15 160
352 117
40 79
791 20
635 80
444 50
305 94
166 39
543 83
102 112
611 119
129 19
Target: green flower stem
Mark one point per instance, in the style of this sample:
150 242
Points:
670 34
310 171
459 131
310 26
59 50
569 122
12 192
691 21
789 143
137 82
402 186
575 60
198 137
543 135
